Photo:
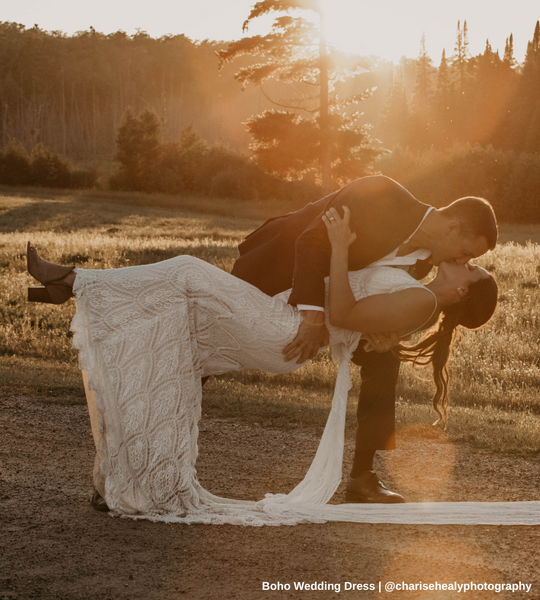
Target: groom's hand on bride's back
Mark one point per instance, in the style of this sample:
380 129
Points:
311 337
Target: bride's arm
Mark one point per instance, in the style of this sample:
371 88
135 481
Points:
341 297
399 312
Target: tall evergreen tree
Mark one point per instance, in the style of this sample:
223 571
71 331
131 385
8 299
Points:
462 74
461 56
443 104
396 111
524 122
296 51
422 105
531 90
508 58
489 97
502 135
137 149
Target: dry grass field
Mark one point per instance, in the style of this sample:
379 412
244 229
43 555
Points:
495 371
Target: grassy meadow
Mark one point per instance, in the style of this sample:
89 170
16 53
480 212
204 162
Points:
495 371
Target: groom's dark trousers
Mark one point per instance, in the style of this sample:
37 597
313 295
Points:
294 251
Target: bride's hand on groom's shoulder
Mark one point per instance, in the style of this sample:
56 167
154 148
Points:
339 231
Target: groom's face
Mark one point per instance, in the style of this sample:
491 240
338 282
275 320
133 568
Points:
456 246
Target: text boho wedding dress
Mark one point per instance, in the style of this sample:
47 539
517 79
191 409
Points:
146 335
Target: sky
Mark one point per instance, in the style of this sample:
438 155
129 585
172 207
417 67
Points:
386 28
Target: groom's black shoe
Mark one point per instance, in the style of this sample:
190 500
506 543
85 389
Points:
98 502
368 488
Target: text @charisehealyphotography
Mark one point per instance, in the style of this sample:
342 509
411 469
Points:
397 586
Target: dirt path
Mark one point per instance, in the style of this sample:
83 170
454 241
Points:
53 545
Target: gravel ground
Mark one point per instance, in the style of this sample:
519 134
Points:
54 545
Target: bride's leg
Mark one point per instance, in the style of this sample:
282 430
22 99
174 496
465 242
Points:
92 409
99 482
58 281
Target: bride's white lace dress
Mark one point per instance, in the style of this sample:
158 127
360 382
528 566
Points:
146 335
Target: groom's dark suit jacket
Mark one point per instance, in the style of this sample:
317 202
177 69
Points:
294 251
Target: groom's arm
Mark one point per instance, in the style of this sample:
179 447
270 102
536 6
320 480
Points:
312 260
312 265
369 200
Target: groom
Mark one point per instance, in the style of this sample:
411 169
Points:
392 229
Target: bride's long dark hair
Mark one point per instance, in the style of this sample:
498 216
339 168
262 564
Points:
471 312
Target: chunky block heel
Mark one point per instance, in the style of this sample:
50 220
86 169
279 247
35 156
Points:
39 294
54 293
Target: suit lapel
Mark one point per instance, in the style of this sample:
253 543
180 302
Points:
385 230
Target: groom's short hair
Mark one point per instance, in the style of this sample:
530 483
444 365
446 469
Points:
476 217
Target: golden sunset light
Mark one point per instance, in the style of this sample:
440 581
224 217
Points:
269 299
386 28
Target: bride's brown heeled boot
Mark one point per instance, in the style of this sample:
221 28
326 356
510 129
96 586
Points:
50 275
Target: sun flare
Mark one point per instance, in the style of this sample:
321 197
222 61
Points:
383 29
391 29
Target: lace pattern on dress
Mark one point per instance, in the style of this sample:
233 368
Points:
146 335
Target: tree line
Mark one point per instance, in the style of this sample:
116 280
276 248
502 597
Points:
470 126
70 92
470 119
486 99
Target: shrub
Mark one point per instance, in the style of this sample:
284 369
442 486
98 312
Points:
186 159
138 151
42 167
190 166
15 165
48 169
522 190
224 184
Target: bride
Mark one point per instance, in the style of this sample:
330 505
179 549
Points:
147 334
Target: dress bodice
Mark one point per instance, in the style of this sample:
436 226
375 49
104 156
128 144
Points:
366 282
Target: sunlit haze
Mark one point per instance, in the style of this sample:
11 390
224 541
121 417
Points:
387 28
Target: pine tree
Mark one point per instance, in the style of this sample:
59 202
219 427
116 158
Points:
461 55
138 149
462 65
489 97
508 58
531 90
443 104
503 134
421 106
396 111
523 127
295 51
